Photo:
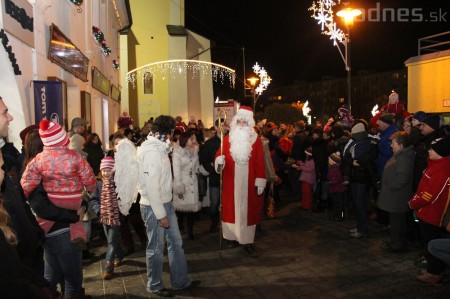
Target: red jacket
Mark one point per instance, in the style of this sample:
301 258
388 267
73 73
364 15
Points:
432 197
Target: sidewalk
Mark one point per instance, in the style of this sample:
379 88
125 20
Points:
301 255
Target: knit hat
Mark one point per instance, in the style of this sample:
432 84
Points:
441 146
270 126
334 158
387 118
76 142
343 109
433 121
419 115
358 128
393 97
107 163
78 121
52 134
308 151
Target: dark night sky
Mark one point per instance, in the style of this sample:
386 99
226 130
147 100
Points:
283 38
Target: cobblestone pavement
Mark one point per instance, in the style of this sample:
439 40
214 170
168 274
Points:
301 255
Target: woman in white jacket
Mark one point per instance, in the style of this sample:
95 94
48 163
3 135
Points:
185 185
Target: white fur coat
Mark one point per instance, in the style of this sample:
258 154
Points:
185 184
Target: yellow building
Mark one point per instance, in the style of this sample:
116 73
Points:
158 34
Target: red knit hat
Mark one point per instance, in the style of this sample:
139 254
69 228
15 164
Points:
308 151
52 134
107 163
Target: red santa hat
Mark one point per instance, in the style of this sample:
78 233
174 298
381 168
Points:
52 134
245 112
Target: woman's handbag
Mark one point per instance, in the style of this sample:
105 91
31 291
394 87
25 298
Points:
202 185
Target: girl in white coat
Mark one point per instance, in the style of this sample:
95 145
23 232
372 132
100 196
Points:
185 188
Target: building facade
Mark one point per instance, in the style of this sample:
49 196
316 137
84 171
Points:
54 41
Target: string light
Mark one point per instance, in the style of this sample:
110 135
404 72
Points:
175 68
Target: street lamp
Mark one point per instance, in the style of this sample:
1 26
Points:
348 14
253 81
323 13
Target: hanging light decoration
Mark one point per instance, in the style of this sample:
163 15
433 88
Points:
264 78
98 34
115 64
323 13
183 67
105 49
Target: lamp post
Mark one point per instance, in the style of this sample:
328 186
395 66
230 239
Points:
323 13
348 14
253 81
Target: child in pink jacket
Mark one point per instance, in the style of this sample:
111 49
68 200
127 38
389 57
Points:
64 175
308 179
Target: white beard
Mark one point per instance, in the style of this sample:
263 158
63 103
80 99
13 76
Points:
241 144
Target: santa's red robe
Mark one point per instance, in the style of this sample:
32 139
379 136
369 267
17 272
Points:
256 175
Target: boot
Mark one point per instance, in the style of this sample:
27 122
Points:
109 270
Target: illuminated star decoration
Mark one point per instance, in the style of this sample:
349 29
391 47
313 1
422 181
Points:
264 79
323 13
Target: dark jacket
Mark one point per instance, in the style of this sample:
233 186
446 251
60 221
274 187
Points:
95 156
396 187
384 148
16 279
207 156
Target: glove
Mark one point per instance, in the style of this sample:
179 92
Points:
220 160
260 190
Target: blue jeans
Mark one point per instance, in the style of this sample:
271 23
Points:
440 248
360 195
214 196
155 249
114 251
63 264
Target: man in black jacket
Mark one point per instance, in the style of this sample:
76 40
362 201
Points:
207 155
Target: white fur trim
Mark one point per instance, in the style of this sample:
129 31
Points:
260 182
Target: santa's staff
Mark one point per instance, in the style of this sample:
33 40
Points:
224 113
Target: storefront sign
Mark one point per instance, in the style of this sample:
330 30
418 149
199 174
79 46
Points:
18 20
48 101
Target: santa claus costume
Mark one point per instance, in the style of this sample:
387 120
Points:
244 180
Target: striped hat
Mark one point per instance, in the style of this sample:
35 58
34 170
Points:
52 134
334 158
107 163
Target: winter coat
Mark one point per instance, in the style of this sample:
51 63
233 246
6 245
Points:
95 156
207 156
270 171
17 280
336 179
308 172
397 180
384 148
431 198
185 169
363 173
420 162
155 175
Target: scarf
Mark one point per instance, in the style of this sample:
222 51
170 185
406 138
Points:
109 208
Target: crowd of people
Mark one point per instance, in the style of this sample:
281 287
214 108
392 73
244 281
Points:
399 162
